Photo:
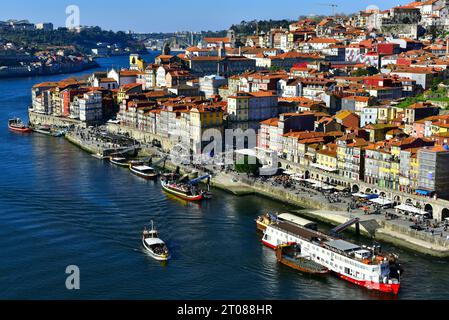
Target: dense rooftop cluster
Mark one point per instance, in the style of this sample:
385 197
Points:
364 97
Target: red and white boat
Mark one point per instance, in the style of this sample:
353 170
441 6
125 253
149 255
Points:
363 267
182 191
17 125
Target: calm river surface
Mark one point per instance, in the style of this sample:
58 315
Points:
59 207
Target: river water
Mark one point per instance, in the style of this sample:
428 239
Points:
60 207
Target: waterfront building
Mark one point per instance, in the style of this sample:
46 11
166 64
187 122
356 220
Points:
351 157
41 98
326 159
434 171
383 161
202 118
90 107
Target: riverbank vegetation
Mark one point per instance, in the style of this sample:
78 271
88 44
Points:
84 41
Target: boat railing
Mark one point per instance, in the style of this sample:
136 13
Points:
322 244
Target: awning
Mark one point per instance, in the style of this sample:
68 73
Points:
405 207
423 192
360 195
297 177
325 168
382 201
312 181
365 196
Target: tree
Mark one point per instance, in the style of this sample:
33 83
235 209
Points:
249 165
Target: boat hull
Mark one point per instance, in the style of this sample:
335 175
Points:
381 287
300 264
143 175
261 226
181 195
20 130
119 164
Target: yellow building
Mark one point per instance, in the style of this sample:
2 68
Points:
386 114
128 89
201 119
136 63
327 159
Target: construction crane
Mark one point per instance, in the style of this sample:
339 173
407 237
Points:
332 5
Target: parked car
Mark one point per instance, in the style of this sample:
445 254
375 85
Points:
417 227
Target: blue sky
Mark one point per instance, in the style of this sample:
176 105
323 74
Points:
176 15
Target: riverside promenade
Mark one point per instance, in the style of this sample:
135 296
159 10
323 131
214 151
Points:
317 207
314 205
310 203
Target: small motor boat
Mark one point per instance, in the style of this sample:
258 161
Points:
144 172
154 245
17 125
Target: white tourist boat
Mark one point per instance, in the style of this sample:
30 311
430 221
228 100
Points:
154 245
144 172
362 266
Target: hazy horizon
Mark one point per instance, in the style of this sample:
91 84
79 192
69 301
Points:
200 15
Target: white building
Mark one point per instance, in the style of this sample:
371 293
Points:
368 115
209 85
90 107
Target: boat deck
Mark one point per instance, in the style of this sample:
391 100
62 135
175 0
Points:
301 232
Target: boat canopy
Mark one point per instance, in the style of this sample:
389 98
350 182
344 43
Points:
342 245
296 220
154 241
143 168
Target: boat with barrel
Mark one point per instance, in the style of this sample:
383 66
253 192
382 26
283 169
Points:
367 267
119 161
290 256
17 125
154 245
143 171
188 191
